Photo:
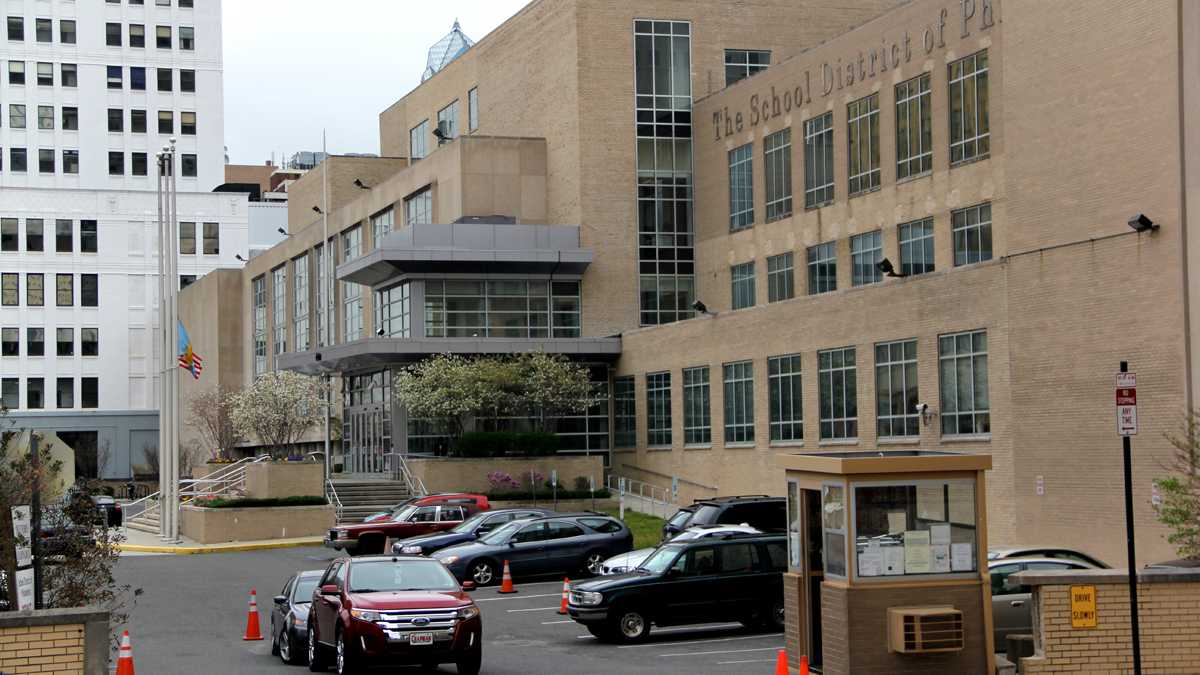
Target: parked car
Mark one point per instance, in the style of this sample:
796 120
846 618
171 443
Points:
627 561
766 514
1185 563
289 616
731 577
409 521
1054 552
1011 609
108 511
562 544
393 610
469 530
480 503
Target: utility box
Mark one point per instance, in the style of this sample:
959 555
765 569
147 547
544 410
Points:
887 562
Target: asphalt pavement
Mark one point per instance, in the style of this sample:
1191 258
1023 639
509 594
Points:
191 617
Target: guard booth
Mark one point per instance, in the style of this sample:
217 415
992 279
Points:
887 569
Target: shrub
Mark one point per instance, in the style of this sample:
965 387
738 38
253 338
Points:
582 483
248 502
501 481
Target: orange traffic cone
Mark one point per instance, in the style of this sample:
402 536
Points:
253 631
506 584
125 656
781 666
803 665
562 607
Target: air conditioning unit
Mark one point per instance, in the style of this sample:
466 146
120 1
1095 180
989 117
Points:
924 630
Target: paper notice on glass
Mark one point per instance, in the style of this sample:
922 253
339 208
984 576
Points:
870 561
960 558
940 555
897 521
962 504
916 552
893 560
930 503
939 534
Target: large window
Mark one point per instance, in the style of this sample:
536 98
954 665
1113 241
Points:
896 389
918 528
697 416
624 413
64 290
739 402
741 187
972 229
822 268
35 342
448 120
10 342
279 309
742 63
473 109
187 238
866 250
418 207
742 285
787 398
509 308
34 231
10 393
10 239
392 311
963 362
818 161
212 239
64 236
66 393
663 101
11 289
914 127
916 247
352 305
35 289
837 379
781 277
259 295
863 139
88 236
969 131
35 393
89 342
300 306
777 163
64 342
658 409
321 295
382 224
418 139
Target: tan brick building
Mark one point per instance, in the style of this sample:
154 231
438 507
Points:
1032 132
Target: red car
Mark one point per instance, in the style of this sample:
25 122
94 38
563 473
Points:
392 610
423 516
464 498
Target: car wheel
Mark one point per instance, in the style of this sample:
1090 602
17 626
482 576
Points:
593 562
775 618
345 661
483 572
284 647
316 660
630 625
471 662
274 640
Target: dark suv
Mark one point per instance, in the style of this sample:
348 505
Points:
736 577
768 514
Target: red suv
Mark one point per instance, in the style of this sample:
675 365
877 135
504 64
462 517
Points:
393 610
425 515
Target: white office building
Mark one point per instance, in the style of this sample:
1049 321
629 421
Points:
90 91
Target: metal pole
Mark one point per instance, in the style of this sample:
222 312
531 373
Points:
35 514
162 341
327 259
1131 549
174 430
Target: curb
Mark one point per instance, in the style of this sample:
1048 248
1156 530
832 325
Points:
219 548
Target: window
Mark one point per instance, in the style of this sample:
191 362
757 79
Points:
742 63
35 341
259 294
187 81
166 79
964 381
64 342
116 164
16 116
66 31
187 238
935 515
187 38
70 75
781 283
916 247
70 119
45 74
35 393
187 123
46 118
139 163
16 72
742 285
777 163
279 309
112 34
137 35
44 30
70 161
818 161
352 311
66 393
972 228
10 395
33 234
837 380
382 224
658 409
88 236
10 239
16 28
185 4
739 402
448 120
18 160
187 166
35 291
89 341
418 208
89 392
116 117
969 137
45 161
741 187
473 109
866 250
64 236
624 413
393 310
300 307
212 239
502 308
418 138
914 127
822 268
137 121
137 78
697 418
115 80
162 37
787 398
322 299
166 122
89 290
896 389
10 289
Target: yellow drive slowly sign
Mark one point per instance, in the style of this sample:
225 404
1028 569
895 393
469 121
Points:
1083 606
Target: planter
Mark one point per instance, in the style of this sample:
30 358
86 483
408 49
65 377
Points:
270 480
209 468
215 526
455 474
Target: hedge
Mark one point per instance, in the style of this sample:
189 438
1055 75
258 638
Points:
507 443
544 494
249 502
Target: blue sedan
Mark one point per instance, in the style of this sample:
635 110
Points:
469 530
289 616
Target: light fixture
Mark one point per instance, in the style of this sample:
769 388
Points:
318 210
239 257
438 133
1142 223
886 267
702 308
359 184
379 332
282 231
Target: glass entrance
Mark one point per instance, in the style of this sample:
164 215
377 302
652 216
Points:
367 427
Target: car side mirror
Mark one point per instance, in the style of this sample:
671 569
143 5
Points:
468 585
329 589
281 599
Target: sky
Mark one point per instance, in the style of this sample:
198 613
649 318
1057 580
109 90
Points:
296 67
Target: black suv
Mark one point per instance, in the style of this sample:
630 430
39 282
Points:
761 512
736 577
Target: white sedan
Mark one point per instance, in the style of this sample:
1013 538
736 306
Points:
628 561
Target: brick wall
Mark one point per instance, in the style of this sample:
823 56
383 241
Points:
59 641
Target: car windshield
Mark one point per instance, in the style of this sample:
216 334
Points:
401 514
468 526
661 559
304 589
680 518
502 533
706 515
401 575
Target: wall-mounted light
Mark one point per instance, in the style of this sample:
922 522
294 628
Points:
1142 223
887 268
702 308
359 184
317 209
239 257
282 231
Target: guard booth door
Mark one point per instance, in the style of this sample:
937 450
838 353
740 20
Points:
813 568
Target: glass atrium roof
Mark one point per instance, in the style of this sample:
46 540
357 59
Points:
446 50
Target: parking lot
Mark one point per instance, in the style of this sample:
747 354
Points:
192 614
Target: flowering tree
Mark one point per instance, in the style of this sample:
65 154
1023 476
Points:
278 408
1180 502
552 385
445 387
212 416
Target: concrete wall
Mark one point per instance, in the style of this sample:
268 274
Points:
270 480
55 641
470 475
214 526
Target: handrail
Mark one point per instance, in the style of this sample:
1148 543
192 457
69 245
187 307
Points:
229 478
612 482
332 495
401 471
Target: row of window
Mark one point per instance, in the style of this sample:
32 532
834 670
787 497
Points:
137 122
970 139
35 290
35 393
43 30
115 78
963 380
35 234
971 229
139 162
35 342
69 116
114 36
182 4
447 119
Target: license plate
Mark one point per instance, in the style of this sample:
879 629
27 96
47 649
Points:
420 639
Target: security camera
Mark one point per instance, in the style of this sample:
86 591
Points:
379 332
1142 223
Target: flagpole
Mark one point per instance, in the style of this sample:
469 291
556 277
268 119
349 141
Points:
173 532
164 351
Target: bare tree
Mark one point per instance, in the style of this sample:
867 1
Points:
212 416
150 452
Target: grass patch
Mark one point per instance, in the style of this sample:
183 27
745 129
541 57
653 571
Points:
647 529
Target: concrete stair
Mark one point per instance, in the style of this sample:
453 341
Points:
144 523
361 498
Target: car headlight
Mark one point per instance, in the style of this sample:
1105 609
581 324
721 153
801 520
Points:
468 612
587 598
411 550
342 534
450 559
364 614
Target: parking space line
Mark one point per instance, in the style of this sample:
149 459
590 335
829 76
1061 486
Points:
722 651
699 642
532 609
551 623
730 663
520 597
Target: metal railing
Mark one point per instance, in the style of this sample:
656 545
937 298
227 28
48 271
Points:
655 499
227 480
402 472
332 495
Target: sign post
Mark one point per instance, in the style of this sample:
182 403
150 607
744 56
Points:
554 486
1127 426
592 490
621 499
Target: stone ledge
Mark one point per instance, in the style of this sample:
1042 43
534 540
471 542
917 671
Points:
1117 576
52 617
